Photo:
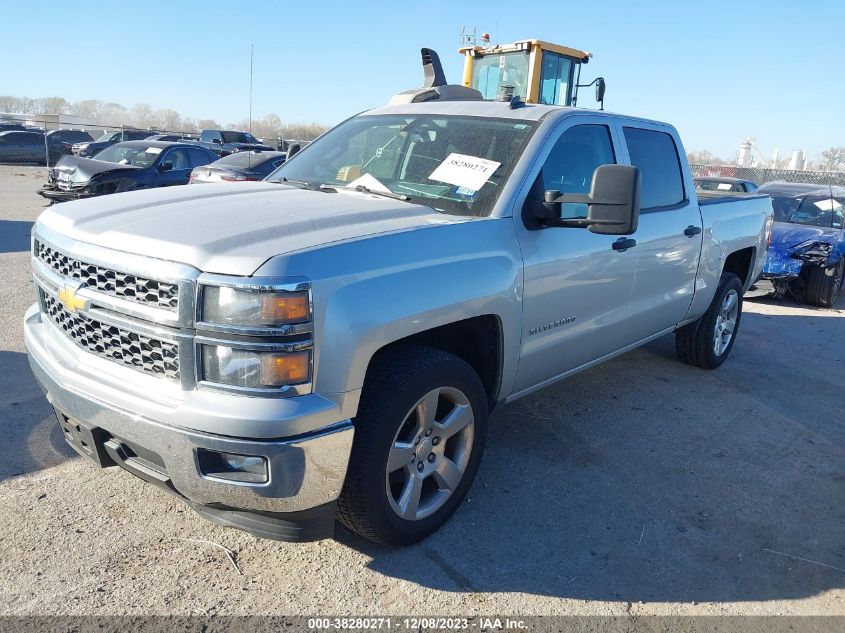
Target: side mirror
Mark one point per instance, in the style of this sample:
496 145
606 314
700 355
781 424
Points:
165 167
600 87
293 148
613 204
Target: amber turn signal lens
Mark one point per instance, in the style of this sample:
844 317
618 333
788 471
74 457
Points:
286 308
284 368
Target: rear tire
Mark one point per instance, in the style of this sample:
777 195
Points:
696 343
824 283
400 453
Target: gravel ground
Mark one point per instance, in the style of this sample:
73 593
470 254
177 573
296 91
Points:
643 486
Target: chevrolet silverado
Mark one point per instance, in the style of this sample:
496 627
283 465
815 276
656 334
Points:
329 343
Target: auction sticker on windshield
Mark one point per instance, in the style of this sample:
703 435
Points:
465 171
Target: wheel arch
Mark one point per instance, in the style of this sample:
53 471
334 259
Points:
478 341
741 262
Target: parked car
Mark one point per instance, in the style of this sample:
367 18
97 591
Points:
172 137
723 184
225 142
27 147
124 167
64 140
806 257
91 148
9 127
250 165
329 342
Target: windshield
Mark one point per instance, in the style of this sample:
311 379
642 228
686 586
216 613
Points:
454 164
238 137
126 155
819 210
105 137
491 71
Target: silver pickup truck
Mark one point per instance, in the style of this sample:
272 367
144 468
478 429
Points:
329 343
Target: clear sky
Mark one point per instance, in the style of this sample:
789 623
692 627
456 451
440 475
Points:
719 71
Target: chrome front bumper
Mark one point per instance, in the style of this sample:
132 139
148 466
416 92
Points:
306 469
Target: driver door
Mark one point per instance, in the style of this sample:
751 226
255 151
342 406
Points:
577 287
179 170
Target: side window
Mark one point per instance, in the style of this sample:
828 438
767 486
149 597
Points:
198 158
570 166
657 158
554 79
178 158
838 212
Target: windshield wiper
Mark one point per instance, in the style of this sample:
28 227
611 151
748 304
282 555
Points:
300 184
375 192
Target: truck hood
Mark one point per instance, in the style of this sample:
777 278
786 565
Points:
232 228
76 169
781 259
786 236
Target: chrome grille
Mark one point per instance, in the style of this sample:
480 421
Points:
150 355
110 281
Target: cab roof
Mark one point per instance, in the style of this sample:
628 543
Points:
470 107
519 45
499 110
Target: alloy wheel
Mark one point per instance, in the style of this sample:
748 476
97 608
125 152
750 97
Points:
725 322
430 453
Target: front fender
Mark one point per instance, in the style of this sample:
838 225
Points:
371 292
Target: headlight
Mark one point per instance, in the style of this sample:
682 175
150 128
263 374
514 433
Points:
254 308
253 368
254 334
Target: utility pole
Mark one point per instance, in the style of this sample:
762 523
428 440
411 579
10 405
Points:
251 54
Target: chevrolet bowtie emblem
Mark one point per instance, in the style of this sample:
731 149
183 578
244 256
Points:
71 300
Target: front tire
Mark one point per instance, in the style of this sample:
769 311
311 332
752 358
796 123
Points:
824 283
419 437
707 342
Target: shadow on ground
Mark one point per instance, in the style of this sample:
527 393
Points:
31 439
14 236
648 480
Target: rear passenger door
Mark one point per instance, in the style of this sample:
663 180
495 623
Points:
669 235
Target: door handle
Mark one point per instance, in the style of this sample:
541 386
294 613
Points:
692 231
624 243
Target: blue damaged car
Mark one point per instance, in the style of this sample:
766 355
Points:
806 256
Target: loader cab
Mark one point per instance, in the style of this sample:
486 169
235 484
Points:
537 71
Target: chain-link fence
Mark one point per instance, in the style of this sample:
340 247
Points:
762 175
44 140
